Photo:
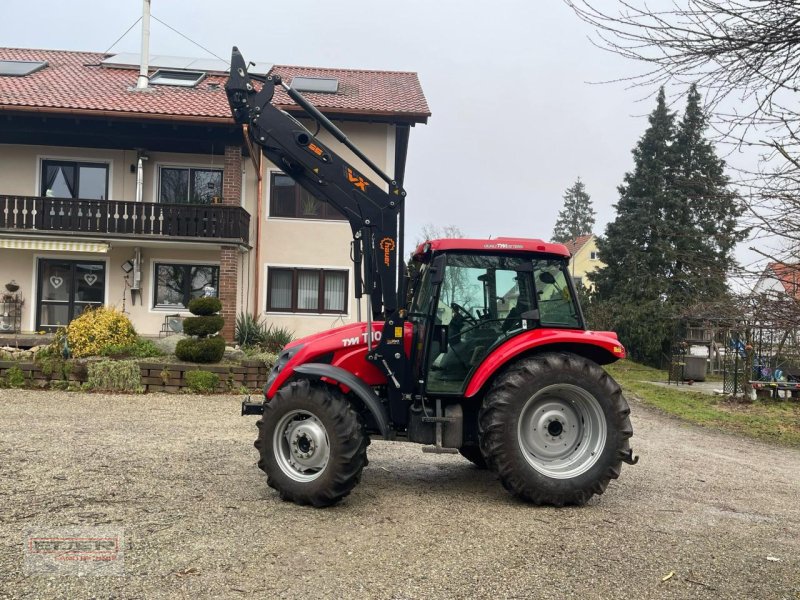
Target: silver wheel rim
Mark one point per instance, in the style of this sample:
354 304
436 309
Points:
300 445
562 431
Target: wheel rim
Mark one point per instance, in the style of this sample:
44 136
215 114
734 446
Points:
562 431
301 446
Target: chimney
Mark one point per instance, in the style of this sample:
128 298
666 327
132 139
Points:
141 83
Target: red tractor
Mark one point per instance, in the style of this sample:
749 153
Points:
482 352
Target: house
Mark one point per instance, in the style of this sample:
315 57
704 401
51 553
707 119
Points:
779 281
142 199
585 259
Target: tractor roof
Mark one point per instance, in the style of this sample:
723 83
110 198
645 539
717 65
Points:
502 244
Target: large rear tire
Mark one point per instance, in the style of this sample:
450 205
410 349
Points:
555 427
312 444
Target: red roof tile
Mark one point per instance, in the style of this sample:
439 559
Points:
789 277
75 81
575 245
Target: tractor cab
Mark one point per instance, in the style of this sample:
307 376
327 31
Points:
471 296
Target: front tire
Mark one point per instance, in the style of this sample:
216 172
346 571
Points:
555 427
312 444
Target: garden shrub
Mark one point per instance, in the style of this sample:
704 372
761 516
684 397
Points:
140 348
204 306
268 358
15 378
276 338
250 331
201 350
203 326
94 330
201 382
115 376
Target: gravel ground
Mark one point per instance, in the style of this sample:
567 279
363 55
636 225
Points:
179 474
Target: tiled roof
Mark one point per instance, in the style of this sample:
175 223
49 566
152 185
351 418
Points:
75 82
788 275
575 245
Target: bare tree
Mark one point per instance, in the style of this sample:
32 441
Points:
744 55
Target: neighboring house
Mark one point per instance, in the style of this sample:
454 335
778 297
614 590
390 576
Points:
584 259
143 199
779 281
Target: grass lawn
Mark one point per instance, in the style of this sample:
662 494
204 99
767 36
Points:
774 420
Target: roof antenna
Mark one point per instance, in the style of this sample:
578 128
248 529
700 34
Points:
141 83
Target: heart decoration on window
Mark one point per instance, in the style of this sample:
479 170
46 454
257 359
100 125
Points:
56 281
90 278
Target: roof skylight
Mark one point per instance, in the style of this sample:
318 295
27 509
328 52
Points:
21 68
178 78
323 85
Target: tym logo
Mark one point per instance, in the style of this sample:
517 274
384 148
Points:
361 339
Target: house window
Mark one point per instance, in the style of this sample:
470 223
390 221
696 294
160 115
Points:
175 285
593 256
186 185
69 179
307 290
287 199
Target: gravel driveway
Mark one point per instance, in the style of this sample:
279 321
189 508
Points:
179 474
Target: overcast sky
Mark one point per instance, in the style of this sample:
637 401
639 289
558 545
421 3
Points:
515 116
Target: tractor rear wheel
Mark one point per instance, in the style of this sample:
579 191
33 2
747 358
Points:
555 427
312 444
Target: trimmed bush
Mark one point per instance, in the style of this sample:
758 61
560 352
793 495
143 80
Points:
94 330
203 326
140 348
201 350
115 376
204 306
201 382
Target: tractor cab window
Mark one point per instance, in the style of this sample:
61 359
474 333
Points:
554 297
481 300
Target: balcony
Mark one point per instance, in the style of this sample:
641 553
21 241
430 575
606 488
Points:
121 219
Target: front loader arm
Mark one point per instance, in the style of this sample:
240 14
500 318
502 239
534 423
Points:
371 211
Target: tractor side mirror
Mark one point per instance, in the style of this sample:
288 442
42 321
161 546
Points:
437 269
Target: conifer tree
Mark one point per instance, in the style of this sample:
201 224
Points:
577 216
672 240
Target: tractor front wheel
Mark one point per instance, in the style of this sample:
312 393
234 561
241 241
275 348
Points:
312 444
555 427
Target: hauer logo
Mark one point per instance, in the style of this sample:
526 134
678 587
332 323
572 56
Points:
387 245
357 180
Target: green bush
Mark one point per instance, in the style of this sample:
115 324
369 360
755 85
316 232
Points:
203 326
201 382
201 350
94 330
250 331
141 348
115 376
268 358
276 338
15 378
204 306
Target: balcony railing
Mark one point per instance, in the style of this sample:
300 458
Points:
115 218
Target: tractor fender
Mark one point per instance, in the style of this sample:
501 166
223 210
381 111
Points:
356 385
603 347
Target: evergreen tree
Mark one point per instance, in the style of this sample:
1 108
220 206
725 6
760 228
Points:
577 216
672 240
708 215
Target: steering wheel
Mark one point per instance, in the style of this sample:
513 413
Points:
464 313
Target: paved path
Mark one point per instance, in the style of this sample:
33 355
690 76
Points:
178 473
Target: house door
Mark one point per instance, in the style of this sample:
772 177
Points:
66 288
